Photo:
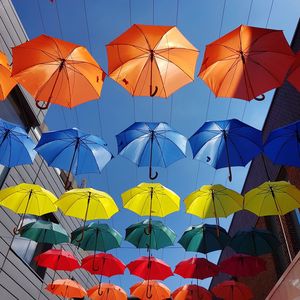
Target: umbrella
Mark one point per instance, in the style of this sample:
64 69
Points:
44 232
226 143
109 292
97 237
283 144
293 74
246 62
151 199
16 146
56 71
150 60
151 235
254 242
191 292
204 238
151 289
149 268
7 83
243 265
66 288
74 151
151 144
199 268
232 290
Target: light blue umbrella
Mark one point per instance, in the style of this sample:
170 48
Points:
16 146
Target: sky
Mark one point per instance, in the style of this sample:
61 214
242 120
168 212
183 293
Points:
93 24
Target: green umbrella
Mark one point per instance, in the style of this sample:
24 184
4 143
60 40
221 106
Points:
204 238
96 237
44 232
150 234
254 242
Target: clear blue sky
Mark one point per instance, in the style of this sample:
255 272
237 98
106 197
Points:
186 111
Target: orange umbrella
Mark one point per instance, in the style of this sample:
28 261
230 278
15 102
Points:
108 291
6 82
67 288
151 289
232 290
246 62
150 60
56 71
191 292
294 72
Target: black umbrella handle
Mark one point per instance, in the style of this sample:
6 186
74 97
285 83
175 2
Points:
152 177
227 155
43 106
149 291
152 94
260 98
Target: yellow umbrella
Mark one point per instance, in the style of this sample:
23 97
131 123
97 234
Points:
151 199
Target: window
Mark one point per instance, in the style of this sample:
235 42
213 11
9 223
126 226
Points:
297 211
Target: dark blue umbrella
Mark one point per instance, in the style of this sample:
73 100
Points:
16 146
283 145
74 151
151 144
226 143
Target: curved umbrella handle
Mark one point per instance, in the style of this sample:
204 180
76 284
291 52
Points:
152 94
150 174
148 292
42 107
16 231
260 98
100 293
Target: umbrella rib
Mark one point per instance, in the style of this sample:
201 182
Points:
142 70
258 38
160 75
282 145
64 69
235 147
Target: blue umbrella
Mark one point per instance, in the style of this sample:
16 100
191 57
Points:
74 151
283 145
151 144
16 146
226 143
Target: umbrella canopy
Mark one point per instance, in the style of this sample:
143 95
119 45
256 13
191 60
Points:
232 290
66 288
243 265
97 237
74 151
151 199
254 242
283 144
198 268
7 83
16 146
44 232
108 291
294 72
272 198
226 143
204 238
149 268
150 289
191 292
246 62
150 234
56 71
149 60
151 144
103 264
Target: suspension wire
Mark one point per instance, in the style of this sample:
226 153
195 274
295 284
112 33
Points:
177 12
270 12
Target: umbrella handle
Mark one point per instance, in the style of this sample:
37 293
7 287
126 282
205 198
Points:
100 293
260 98
152 177
42 107
152 94
230 174
148 292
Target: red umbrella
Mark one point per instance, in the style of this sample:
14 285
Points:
191 292
243 265
199 268
150 268
294 72
232 290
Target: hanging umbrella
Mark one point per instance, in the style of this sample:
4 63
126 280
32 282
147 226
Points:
56 71
150 234
151 144
44 232
97 237
149 60
151 199
151 289
226 143
204 238
74 151
198 268
232 290
243 265
246 62
7 83
283 144
66 288
109 292
293 74
254 242
16 146
191 292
